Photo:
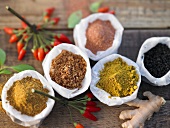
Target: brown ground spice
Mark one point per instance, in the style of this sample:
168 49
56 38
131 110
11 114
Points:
1 109
24 100
100 36
3 79
1 87
68 69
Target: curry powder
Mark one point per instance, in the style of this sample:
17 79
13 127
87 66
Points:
1 109
24 100
118 78
1 87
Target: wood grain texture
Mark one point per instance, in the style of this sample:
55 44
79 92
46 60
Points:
108 117
131 13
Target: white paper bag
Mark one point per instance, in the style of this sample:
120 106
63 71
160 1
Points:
67 93
14 114
146 46
102 95
80 35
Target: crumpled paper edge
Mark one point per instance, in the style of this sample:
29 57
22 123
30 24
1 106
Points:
146 46
15 115
103 96
67 93
79 35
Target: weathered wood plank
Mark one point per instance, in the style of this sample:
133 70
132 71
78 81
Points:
131 13
108 117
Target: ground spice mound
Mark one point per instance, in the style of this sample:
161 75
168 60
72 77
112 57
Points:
24 100
118 78
157 60
1 87
1 109
100 36
68 69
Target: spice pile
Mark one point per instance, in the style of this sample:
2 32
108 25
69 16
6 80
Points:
23 100
157 60
68 69
100 36
118 78
1 86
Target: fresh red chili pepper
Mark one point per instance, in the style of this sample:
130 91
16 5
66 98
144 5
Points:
103 9
41 54
112 12
49 11
92 108
56 42
35 53
25 37
90 103
49 47
46 18
13 39
38 26
78 125
55 20
90 95
88 115
21 54
63 38
20 45
8 30
46 50
24 25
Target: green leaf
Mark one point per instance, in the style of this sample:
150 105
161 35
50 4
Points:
22 67
5 71
74 19
2 57
94 6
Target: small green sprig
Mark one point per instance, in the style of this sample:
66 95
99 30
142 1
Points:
4 69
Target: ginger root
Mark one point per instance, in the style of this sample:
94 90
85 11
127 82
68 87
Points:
144 111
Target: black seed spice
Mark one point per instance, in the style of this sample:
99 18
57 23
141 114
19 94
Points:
157 60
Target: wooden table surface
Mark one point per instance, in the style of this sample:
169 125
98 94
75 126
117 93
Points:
141 20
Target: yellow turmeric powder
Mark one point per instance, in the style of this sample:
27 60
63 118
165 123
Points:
118 78
22 99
